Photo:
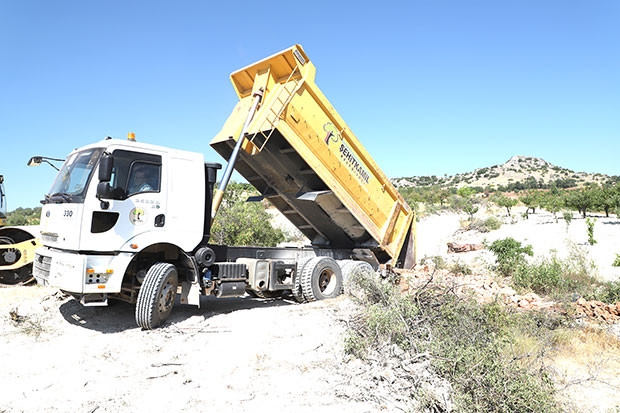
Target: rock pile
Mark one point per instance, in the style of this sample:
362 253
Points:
488 288
607 313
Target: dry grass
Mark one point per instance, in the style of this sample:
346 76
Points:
586 361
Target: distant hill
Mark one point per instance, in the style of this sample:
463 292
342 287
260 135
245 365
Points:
518 169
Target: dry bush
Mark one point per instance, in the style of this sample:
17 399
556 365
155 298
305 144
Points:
480 349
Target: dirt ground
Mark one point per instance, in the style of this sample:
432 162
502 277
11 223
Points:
245 354
241 355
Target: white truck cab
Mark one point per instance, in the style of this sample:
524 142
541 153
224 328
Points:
98 225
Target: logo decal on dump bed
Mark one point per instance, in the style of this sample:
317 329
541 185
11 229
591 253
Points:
346 154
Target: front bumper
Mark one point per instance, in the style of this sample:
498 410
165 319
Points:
77 273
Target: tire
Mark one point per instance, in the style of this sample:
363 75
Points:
358 267
297 290
21 275
351 273
11 256
266 294
321 278
345 269
252 293
157 295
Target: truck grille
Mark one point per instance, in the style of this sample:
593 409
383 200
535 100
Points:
41 268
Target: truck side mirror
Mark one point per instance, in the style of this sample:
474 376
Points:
38 160
35 161
106 163
104 191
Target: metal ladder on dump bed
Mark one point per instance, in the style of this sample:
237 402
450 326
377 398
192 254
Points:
276 106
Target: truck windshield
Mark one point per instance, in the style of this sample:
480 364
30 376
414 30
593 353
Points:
73 178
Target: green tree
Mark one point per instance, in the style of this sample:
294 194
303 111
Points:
466 191
443 194
470 208
607 198
413 195
243 223
552 201
531 199
504 201
581 200
24 216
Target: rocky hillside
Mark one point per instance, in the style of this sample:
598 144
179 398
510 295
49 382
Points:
528 170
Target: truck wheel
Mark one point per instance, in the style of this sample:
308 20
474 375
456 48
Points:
321 278
265 294
352 273
297 290
156 296
344 268
356 268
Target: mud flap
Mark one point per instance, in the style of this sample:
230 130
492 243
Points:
407 257
190 293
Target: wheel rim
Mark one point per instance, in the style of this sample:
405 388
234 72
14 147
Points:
327 281
166 299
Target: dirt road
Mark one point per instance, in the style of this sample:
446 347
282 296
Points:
230 355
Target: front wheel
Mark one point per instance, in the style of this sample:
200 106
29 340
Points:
156 296
321 278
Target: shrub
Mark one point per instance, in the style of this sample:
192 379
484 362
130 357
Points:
385 318
438 262
541 278
244 223
459 268
590 227
563 279
553 277
485 225
568 217
609 292
477 348
510 254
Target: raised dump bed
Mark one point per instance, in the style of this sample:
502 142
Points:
300 154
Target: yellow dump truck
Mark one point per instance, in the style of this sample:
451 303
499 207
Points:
17 245
302 156
105 238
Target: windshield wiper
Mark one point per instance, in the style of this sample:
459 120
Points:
60 198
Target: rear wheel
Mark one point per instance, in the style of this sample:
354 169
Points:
321 278
266 294
157 295
356 268
344 268
352 273
297 290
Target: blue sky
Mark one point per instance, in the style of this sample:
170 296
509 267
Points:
430 87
